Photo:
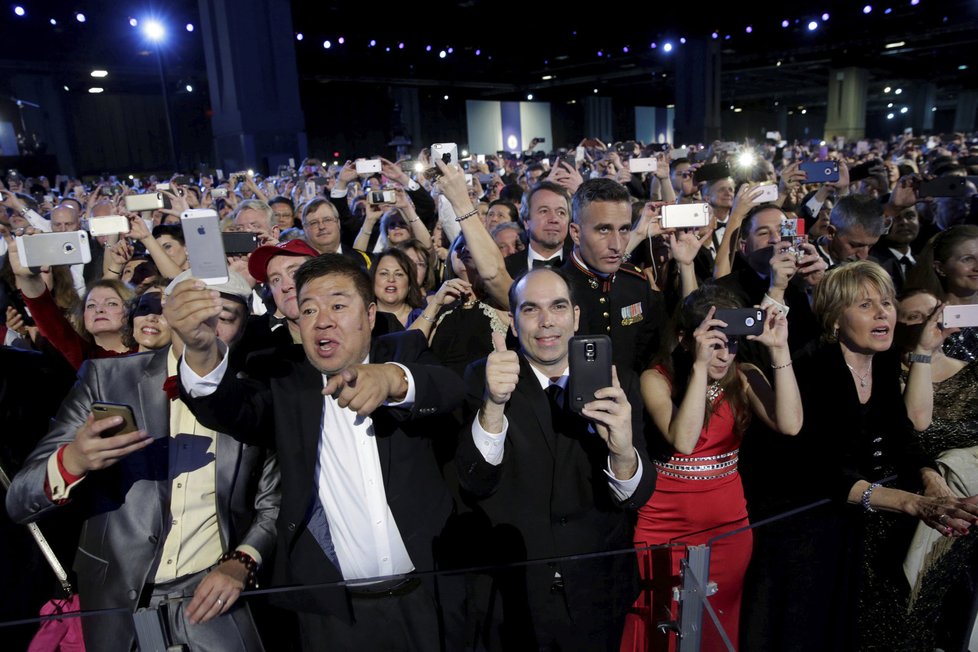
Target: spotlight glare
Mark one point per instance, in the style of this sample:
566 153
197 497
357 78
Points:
963 66
327 45
784 23
341 40
890 105
667 47
445 98
373 42
154 30
715 35
889 116
804 111
66 88
100 73
746 159
54 22
427 48
682 41
95 89
914 3
887 89
190 27
895 44
132 22
904 109
299 36
400 46
465 153
451 50
478 52
898 91
442 54
19 10
190 89
867 9
529 97
419 167
812 26
749 29
825 17
80 17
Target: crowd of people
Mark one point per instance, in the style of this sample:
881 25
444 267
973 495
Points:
385 388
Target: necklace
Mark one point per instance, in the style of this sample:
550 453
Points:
713 391
862 379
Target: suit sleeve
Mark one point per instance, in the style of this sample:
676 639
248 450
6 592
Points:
475 474
268 499
239 407
424 206
438 390
646 485
348 221
26 498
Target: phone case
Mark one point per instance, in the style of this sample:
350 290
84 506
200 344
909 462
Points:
741 321
820 171
590 368
147 202
684 216
102 410
961 316
108 225
46 249
205 245
239 242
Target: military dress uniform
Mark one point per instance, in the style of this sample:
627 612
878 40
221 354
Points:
622 306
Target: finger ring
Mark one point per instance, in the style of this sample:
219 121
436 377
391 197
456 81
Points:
942 518
220 602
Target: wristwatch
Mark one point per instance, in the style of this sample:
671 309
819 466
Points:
917 357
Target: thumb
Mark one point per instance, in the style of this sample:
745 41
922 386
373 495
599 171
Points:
350 375
498 342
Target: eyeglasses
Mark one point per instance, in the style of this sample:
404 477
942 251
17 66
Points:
316 223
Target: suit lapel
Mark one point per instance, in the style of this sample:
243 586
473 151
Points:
537 401
309 397
154 418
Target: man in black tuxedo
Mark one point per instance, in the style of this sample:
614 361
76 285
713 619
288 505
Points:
893 252
552 483
362 494
545 212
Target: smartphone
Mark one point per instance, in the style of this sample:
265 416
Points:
861 171
46 249
480 158
181 180
590 368
239 242
368 166
163 186
682 152
711 172
961 316
685 216
741 321
821 171
642 165
108 225
150 201
205 245
219 193
447 152
578 155
49 199
320 181
944 187
382 197
768 193
101 410
309 190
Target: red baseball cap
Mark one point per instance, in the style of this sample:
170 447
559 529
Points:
258 261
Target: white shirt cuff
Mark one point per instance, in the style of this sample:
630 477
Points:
251 552
408 399
490 445
413 185
623 489
59 490
197 386
37 221
336 193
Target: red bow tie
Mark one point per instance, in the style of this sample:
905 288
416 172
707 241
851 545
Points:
172 388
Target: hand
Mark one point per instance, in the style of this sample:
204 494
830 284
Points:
662 166
192 311
792 176
348 174
612 416
783 267
177 204
746 199
566 176
121 253
933 335
775 333
394 172
218 590
89 451
239 263
452 185
14 257
842 185
365 387
684 245
709 338
904 195
451 290
15 322
138 229
949 515
502 371
811 266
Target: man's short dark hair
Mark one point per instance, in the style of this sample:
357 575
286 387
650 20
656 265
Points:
175 231
556 270
600 190
854 211
281 200
508 205
748 221
326 264
677 162
543 185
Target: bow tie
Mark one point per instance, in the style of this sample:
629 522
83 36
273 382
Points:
171 388
550 262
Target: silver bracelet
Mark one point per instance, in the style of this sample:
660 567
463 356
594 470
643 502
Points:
426 318
467 215
866 496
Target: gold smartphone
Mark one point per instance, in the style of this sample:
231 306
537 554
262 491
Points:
102 410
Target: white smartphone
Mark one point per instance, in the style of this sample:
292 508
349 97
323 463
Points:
309 190
685 216
642 165
205 245
368 166
108 225
682 152
47 249
961 316
767 193
480 158
163 186
447 152
579 155
150 201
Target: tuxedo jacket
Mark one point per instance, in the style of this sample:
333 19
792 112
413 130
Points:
282 404
550 497
882 254
126 506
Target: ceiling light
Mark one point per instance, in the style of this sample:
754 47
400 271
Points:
100 73
95 89
895 44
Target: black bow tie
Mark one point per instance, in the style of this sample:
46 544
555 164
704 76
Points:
551 262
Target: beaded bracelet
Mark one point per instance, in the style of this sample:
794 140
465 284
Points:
467 215
244 558
866 496
782 366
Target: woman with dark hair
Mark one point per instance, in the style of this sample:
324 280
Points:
701 400
947 267
147 328
425 263
396 289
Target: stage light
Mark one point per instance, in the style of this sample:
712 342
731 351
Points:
190 89
600 53
653 45
131 177
749 29
867 9
825 18
299 36
933 108
547 77
419 167
898 91
738 110
746 159
442 54
715 35
804 111
887 89
784 23
387 49
529 97
895 44
682 41
667 47
400 46
427 48
95 90
19 10
890 105
154 30
904 110
132 22
373 42
54 22
451 50
100 73
889 116
595 91
465 153
341 40
445 98
66 88
478 52
812 26
327 45
914 3
963 67
80 17
190 27
625 49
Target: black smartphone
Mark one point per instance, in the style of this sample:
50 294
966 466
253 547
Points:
239 242
741 321
711 172
821 171
861 171
944 187
101 410
590 368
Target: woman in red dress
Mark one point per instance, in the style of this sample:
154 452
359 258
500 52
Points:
701 401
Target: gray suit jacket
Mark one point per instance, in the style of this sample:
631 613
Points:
126 506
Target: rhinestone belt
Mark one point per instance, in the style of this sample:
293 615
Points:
681 467
682 476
